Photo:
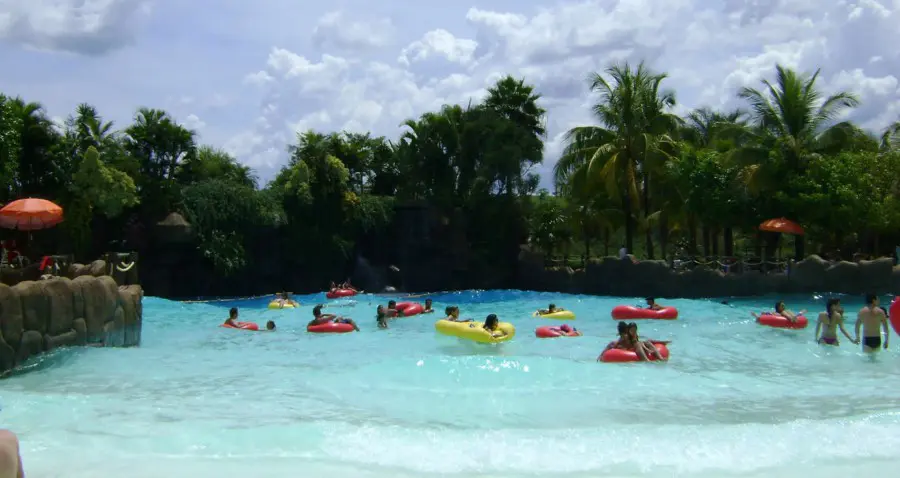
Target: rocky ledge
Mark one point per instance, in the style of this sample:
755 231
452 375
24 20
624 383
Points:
629 278
36 317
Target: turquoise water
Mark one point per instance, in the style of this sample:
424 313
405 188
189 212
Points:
196 400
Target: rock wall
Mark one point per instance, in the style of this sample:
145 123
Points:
37 317
628 278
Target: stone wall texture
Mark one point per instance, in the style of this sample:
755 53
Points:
629 278
39 316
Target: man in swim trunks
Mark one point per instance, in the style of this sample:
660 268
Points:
391 310
830 321
231 321
652 305
550 309
873 320
319 318
10 457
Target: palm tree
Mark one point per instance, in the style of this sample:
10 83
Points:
633 140
890 139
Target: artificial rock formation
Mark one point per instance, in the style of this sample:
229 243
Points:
39 316
628 278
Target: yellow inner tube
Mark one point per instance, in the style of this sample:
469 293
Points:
474 331
276 305
559 314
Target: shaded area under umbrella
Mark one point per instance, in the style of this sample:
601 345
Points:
786 226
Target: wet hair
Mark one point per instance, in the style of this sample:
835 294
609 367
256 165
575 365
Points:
779 306
650 300
427 301
829 306
491 320
232 312
632 325
317 310
392 304
270 325
551 306
622 328
448 310
380 313
870 299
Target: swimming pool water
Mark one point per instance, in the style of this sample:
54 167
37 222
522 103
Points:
196 400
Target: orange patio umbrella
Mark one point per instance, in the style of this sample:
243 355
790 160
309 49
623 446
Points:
782 225
30 214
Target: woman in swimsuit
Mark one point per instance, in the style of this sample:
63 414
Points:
829 322
643 348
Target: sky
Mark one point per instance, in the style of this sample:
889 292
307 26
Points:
248 75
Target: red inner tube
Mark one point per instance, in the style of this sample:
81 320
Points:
242 326
621 356
336 293
330 328
894 315
408 309
626 312
779 322
550 331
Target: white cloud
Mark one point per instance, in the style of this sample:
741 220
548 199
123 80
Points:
337 30
353 72
193 122
91 27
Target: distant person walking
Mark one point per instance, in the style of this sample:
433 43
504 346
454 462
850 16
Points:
623 252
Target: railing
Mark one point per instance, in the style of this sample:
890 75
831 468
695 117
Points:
725 264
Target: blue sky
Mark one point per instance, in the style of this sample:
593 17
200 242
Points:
246 75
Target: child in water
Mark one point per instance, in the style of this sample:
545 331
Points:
452 312
381 317
231 321
427 309
492 324
270 326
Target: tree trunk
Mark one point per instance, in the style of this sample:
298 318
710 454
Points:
629 223
728 236
648 230
758 244
704 231
692 235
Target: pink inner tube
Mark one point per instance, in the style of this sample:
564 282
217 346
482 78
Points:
338 293
779 322
242 326
894 313
621 356
625 312
330 328
549 332
408 309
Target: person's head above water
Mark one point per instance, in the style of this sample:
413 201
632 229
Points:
551 307
632 328
565 328
833 305
317 310
379 312
491 321
779 306
428 302
622 328
270 325
233 312
872 300
392 304
650 300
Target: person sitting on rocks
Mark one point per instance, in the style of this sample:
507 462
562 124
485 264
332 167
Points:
319 318
652 305
783 311
231 321
10 457
427 309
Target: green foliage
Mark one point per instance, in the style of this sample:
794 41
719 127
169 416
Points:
104 188
10 146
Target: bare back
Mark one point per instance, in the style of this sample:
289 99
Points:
830 324
873 320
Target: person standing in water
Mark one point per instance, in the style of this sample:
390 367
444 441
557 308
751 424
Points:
872 320
10 457
831 320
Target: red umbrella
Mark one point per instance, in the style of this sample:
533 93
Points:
782 225
30 214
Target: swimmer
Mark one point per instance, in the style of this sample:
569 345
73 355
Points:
452 312
391 309
652 305
831 320
781 310
872 319
624 340
270 326
381 317
231 321
10 456
283 299
568 330
550 309
643 348
491 324
319 318
427 309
